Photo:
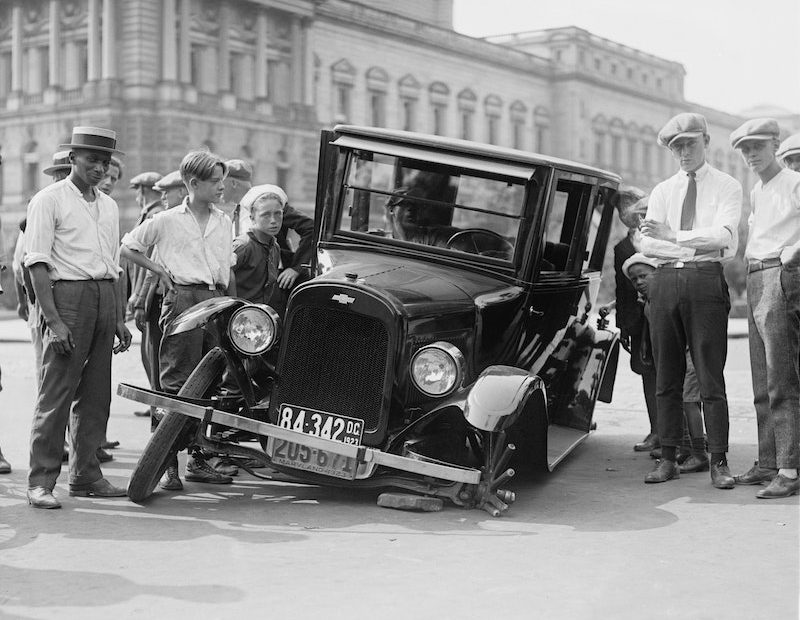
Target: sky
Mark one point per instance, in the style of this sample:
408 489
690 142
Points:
737 53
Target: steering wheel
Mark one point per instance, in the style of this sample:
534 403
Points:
481 242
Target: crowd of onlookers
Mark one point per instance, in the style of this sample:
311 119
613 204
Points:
203 231
672 303
206 230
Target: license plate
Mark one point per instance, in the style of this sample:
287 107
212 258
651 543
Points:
319 424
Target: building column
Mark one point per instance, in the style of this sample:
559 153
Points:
297 61
261 65
224 57
308 62
54 50
169 55
185 50
93 41
109 39
16 47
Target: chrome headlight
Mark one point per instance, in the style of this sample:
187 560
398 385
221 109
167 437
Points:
437 369
254 329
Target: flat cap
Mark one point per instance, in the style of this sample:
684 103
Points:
790 146
755 129
684 125
638 259
239 169
169 181
145 179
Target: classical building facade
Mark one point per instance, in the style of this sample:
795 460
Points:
258 79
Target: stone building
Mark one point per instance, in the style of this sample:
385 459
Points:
257 79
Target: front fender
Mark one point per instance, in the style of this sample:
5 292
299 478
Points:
499 395
200 314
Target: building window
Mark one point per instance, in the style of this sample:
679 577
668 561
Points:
377 108
342 108
196 61
558 55
613 68
409 111
30 161
647 158
582 57
493 107
659 83
466 124
5 74
616 150
83 63
343 79
439 97
439 125
599 151
518 113
629 73
644 78
632 154
541 129
597 64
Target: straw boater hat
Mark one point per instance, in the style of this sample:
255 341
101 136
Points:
93 138
60 162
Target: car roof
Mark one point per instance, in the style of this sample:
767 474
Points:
478 150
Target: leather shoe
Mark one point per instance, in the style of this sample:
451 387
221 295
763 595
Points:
99 488
198 470
650 442
171 480
39 497
781 486
756 475
5 466
664 470
103 456
109 445
223 466
693 464
721 476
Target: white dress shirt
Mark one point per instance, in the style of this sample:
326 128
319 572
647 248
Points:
775 221
714 235
75 239
189 255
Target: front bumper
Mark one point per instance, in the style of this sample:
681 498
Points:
362 454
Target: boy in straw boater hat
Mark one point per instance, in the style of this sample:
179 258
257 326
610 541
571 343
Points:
60 168
773 308
72 251
789 152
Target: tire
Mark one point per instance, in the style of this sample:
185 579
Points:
153 462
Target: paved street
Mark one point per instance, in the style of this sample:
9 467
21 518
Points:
587 541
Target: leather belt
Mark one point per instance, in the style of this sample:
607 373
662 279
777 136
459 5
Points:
758 265
200 287
700 265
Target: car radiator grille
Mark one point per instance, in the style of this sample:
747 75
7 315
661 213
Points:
335 361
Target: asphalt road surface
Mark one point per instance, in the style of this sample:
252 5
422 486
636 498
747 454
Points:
590 540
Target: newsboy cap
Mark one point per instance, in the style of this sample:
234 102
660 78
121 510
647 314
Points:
93 139
684 125
169 181
755 129
790 146
239 169
60 162
145 179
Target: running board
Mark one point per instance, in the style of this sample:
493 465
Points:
562 440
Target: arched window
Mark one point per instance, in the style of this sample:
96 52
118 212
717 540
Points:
342 81
377 86
439 94
466 113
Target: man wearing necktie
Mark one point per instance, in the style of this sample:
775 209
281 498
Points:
691 228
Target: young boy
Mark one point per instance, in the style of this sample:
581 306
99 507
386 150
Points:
789 152
257 252
773 308
193 242
640 269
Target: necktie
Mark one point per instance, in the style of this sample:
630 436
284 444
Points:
689 203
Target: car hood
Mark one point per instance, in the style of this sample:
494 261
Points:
419 287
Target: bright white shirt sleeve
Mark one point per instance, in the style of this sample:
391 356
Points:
40 231
720 234
144 236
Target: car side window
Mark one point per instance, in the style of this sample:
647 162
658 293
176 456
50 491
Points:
564 226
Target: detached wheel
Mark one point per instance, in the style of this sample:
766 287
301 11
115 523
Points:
153 462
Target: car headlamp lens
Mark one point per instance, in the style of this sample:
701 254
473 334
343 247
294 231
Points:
254 329
437 369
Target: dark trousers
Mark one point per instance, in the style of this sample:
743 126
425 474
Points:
151 342
180 353
88 308
689 308
650 399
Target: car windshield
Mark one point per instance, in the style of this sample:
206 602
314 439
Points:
432 204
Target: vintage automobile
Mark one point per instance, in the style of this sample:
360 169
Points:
445 331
